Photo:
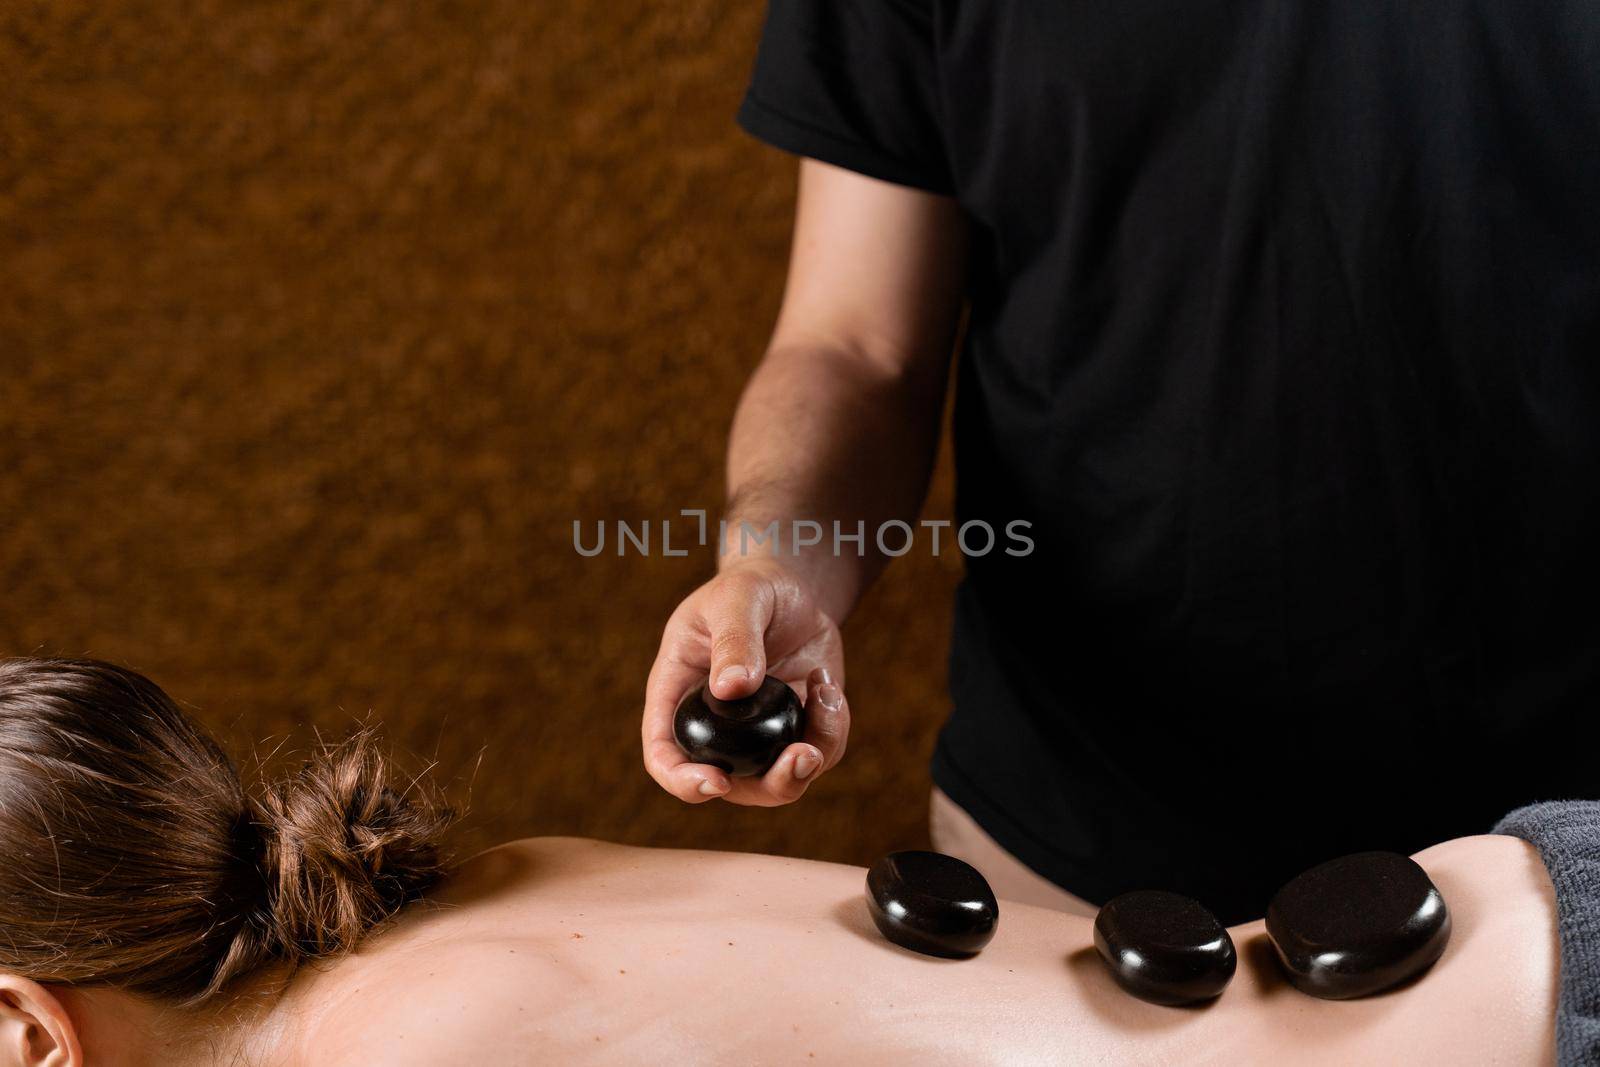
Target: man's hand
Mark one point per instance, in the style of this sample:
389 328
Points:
753 619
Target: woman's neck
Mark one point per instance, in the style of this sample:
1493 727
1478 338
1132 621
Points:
121 1029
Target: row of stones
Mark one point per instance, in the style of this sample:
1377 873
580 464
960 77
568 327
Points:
1349 927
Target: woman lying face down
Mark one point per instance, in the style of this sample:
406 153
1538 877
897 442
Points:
152 912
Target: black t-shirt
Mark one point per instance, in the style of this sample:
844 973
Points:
1285 336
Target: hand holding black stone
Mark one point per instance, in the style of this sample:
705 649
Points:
1164 947
743 737
1358 925
932 903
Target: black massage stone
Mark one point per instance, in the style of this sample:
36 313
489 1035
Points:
743 737
932 903
1164 947
1358 925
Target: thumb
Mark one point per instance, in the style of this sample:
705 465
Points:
738 623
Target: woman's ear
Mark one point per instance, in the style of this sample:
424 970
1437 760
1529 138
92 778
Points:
35 1030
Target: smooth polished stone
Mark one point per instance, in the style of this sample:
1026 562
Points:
743 737
932 903
1358 925
1164 947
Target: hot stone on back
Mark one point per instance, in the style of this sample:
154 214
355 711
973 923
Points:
1164 947
1358 925
932 903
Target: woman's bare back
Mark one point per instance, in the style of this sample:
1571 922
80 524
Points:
572 951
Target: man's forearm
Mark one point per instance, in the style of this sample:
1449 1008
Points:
828 434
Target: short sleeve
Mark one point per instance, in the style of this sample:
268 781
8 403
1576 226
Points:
853 83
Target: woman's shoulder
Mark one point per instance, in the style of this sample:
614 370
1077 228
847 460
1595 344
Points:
461 975
552 865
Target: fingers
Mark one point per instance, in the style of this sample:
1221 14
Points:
785 781
692 783
737 622
827 730
818 650
827 716
669 680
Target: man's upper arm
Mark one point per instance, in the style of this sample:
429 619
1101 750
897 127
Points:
876 269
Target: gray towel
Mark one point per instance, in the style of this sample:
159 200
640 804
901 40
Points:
1567 835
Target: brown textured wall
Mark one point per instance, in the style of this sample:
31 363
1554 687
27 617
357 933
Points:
321 322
